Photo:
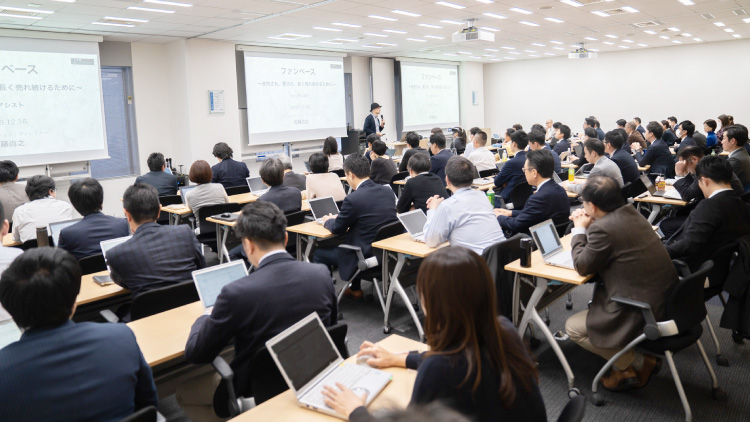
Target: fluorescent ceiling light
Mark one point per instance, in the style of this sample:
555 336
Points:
451 22
608 43
475 57
375 35
382 18
394 31
685 34
65 1
623 46
405 13
594 49
372 46
19 9
697 39
591 38
529 51
428 25
746 20
350 25
496 60
453 5
387 44
628 41
528 23
719 24
730 30
572 3
112 18
642 45
533 55
630 9
491 49
557 42
486 1
673 29
509 48
489 28
610 36
650 32
435 37
558 48
323 28
464 52
664 37
113 24
549 54
450 54
494 15
148 9
555 20
538 44
519 10
344 40
509 58
737 35
168 3
9 15
416 39
677 42
600 13
331 42
488 55
687 2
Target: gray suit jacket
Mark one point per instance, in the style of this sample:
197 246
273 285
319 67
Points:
740 162
603 167
631 262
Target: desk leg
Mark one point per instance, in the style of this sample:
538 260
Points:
394 285
299 248
655 208
219 245
308 250
225 236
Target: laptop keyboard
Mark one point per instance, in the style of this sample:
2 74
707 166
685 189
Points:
346 374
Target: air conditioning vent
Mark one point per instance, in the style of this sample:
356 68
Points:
708 16
646 24
20 13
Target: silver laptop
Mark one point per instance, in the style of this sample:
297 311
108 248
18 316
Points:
210 281
9 332
414 222
106 245
546 239
308 360
184 191
256 185
556 178
54 229
321 207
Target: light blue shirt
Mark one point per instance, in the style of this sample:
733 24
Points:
465 219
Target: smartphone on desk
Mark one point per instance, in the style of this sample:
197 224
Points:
103 280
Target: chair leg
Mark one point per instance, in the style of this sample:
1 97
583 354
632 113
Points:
716 392
379 292
569 302
341 293
678 384
596 398
720 360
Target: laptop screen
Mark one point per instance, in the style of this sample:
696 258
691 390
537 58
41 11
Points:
647 182
256 184
210 282
323 206
184 191
56 228
305 352
109 244
546 237
413 221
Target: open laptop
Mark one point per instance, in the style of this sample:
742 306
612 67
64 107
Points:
414 222
556 178
256 185
308 360
184 191
106 245
9 332
209 281
321 207
650 186
54 229
546 239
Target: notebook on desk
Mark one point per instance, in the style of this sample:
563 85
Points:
210 281
106 245
54 229
256 185
414 222
321 207
546 239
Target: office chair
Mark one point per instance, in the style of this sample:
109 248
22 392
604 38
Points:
293 219
266 382
237 190
520 194
207 234
165 201
489 172
396 177
147 414
31 244
497 257
92 264
339 172
574 410
685 313
155 301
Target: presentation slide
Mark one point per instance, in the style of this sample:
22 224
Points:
50 107
429 95
294 98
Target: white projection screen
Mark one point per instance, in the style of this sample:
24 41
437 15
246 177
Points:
429 95
292 97
51 108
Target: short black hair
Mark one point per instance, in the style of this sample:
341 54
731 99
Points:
87 196
637 119
603 192
656 129
222 151
8 171
557 125
2 211
481 137
459 171
710 123
412 139
590 132
688 127
597 124
436 130
736 132
38 187
520 138
272 172
420 163
536 137
509 131
589 121
155 161
536 126
614 138
621 122
438 139
357 165
542 161
318 162
565 130
672 119
379 147
517 126
691 151
330 146
262 222
40 287
594 145
715 168
142 202
372 138
474 130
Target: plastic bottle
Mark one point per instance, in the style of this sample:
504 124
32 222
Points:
505 156
661 183
571 175
491 197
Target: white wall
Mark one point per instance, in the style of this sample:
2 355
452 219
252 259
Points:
471 78
361 100
692 82
384 93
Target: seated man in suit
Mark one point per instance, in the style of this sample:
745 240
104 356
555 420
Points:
657 155
288 199
603 166
413 140
228 172
165 183
604 243
12 194
61 370
364 211
249 311
382 168
420 186
156 256
512 172
466 218
733 142
291 178
43 209
614 146
82 238
481 157
686 130
563 140
440 155
536 143
718 220
549 200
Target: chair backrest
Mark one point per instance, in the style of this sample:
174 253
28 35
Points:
167 200
400 176
497 257
563 228
578 150
574 410
92 264
488 172
722 259
147 414
339 172
389 230
745 197
209 210
292 219
685 304
520 194
237 190
163 299
31 244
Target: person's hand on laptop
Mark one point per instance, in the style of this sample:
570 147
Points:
381 358
327 217
434 202
581 219
342 399
503 212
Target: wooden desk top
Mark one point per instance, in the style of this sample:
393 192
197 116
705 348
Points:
91 292
305 207
403 243
398 144
311 229
8 240
568 166
162 337
397 394
724 153
540 269
243 198
572 195
177 209
661 200
180 209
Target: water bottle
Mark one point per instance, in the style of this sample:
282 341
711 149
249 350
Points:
42 238
526 253
491 197
505 156
571 175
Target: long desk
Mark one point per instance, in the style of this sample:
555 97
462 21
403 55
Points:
311 231
93 298
162 337
176 211
657 202
397 394
8 240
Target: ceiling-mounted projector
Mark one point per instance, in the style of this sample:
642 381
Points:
581 53
472 33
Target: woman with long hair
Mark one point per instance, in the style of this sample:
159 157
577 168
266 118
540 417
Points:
459 140
477 363
331 150
725 122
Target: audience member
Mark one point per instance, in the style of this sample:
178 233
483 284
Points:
369 140
536 143
440 155
552 140
508 132
710 127
42 210
420 186
686 130
563 140
621 124
603 166
734 141
7 255
511 173
382 168
165 183
412 139
549 129
206 193
634 136
517 126
291 178
657 155
481 157
321 182
228 172
614 146
599 132
288 199
639 128
672 124
724 120
459 140
331 150
470 143
12 194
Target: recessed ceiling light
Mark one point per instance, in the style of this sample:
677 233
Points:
737 35
112 18
427 25
719 24
19 9
555 20
394 31
557 42
168 3
148 9
608 43
405 13
697 39
350 25
630 9
435 37
519 10
642 45
451 22
331 42
372 34
650 32
113 24
673 29
489 28
453 5
528 23
572 3
677 42
494 15
664 37
591 38
323 28
628 41
602 14
382 18
491 49
687 2
730 30
610 36
508 48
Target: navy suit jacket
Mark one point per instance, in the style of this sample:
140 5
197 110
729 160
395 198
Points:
253 309
600 133
402 166
659 157
438 162
74 372
627 165
230 173
165 183
562 146
511 174
362 214
82 238
156 256
295 180
556 157
687 142
549 201
287 198
371 126
418 189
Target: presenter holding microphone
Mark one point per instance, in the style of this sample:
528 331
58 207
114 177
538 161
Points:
374 122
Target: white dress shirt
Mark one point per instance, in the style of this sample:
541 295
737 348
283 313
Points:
38 213
483 159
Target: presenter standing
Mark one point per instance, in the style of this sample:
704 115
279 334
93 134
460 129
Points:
374 122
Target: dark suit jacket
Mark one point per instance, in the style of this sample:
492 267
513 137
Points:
631 261
287 198
627 165
669 137
688 141
740 161
230 173
562 146
409 152
689 189
600 133
382 170
295 180
371 125
82 238
253 309
156 256
511 174
165 183
362 214
641 129
82 372
438 162
550 201
418 189
556 157
658 157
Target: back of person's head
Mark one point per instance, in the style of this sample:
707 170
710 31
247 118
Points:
200 172
436 130
40 287
604 192
665 124
419 163
438 139
730 119
272 172
631 126
2 215
736 132
688 127
286 161
614 138
465 315
357 165
711 123
8 171
87 196
431 412
38 187
459 171
481 138
459 133
379 148
536 137
412 139
542 161
509 131
520 138
263 223
715 168
565 130
222 151
656 129
594 145
724 119
536 126
621 122
318 162
156 161
637 119
672 120
141 201
589 121
517 126
687 152
372 138
474 130
557 125
590 132
597 124
330 146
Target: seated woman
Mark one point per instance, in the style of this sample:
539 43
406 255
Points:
331 150
321 183
206 193
477 364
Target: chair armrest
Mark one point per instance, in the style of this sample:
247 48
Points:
356 249
683 270
109 315
362 262
651 330
227 375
